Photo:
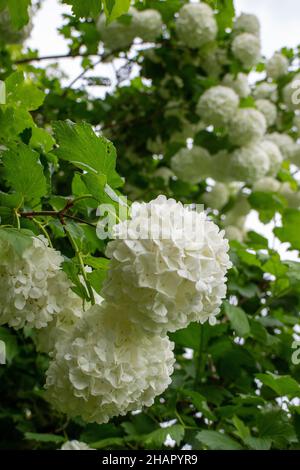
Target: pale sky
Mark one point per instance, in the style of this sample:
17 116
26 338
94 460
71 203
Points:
279 27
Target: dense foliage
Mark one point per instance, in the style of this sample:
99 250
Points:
187 120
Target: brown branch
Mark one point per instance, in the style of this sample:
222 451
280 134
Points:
70 55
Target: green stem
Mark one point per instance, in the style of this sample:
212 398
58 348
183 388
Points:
42 228
81 264
17 216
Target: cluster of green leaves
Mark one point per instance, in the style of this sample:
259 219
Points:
235 385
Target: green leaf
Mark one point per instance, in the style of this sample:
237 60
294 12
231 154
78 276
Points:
11 345
23 93
156 438
238 319
217 441
242 430
19 12
24 173
41 140
258 443
281 384
79 145
33 436
289 232
200 403
188 337
20 240
115 8
85 8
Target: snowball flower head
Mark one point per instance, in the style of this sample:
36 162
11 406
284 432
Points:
148 24
247 23
106 367
75 445
283 141
274 155
169 263
277 66
238 83
117 35
247 125
220 166
217 197
33 288
249 163
218 105
246 48
191 165
196 25
267 185
266 90
268 109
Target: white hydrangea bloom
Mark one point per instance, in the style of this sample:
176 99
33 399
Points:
33 288
217 197
296 123
293 153
268 109
283 141
246 126
238 83
292 196
267 184
274 155
117 35
218 105
247 23
106 366
148 24
174 273
267 91
196 25
246 48
277 66
75 445
191 165
165 173
234 233
249 163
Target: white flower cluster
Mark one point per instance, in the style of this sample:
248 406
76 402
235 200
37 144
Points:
238 83
196 25
34 289
218 105
105 366
75 445
268 109
247 23
247 125
191 165
249 163
146 24
246 48
217 197
266 91
277 66
117 357
283 142
171 273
